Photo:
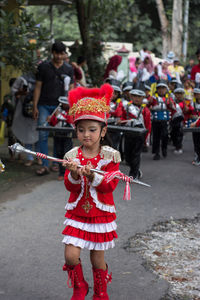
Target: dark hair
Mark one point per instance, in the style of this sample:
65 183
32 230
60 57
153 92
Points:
198 51
80 60
106 141
58 47
11 81
137 60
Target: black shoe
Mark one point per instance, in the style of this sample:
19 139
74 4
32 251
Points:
156 157
164 153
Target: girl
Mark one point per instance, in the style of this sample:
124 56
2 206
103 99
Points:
90 217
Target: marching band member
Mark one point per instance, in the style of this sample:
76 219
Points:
138 116
63 142
116 110
126 88
172 85
161 106
196 135
177 119
90 217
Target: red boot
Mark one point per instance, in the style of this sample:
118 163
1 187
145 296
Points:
78 283
101 279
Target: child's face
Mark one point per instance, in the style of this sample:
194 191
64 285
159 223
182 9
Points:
147 92
197 97
127 95
172 86
89 133
137 100
115 96
179 97
162 90
65 106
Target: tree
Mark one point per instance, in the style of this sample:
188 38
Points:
177 27
21 37
166 41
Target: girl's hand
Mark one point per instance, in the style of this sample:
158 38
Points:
193 124
72 166
86 171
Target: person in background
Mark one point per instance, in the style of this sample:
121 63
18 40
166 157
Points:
146 68
188 87
126 88
137 116
132 69
196 135
50 85
8 109
172 85
161 106
116 108
176 70
77 71
63 141
188 68
23 126
81 62
195 73
178 119
143 52
170 57
112 67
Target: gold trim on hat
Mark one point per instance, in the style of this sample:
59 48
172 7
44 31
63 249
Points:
89 104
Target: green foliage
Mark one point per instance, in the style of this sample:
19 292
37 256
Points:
16 33
65 22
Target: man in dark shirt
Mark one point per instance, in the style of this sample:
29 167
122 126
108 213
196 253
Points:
50 85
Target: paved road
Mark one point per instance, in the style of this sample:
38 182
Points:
31 253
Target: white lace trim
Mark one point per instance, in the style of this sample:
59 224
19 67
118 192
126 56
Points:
97 179
96 228
70 206
102 163
87 244
100 205
72 180
93 192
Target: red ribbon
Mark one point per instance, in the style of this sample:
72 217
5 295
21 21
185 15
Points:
109 176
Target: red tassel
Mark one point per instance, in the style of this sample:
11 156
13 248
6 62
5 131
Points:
127 192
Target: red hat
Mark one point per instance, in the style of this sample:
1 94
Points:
90 104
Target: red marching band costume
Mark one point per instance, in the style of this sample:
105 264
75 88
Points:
90 210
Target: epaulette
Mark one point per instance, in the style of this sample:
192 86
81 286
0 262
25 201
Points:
71 153
110 153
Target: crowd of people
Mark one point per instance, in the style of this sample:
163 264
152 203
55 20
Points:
161 99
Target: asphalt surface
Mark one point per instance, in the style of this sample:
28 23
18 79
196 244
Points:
31 222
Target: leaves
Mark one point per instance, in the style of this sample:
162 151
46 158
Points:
16 34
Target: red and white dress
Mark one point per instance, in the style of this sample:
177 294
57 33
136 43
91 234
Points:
90 211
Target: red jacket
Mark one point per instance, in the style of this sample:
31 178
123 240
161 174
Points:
63 117
116 109
92 199
188 110
147 120
195 69
198 123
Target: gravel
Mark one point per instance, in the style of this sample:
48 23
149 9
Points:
172 251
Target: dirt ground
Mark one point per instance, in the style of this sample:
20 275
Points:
17 178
